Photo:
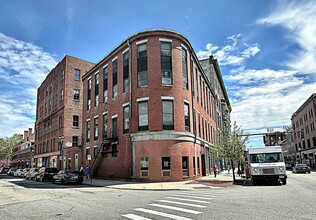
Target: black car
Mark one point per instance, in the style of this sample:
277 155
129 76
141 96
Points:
65 176
46 173
301 168
4 169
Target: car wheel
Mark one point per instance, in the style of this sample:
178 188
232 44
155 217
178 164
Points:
53 181
309 171
62 181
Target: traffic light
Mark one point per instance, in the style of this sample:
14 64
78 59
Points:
302 135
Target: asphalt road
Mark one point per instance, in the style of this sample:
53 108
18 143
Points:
21 199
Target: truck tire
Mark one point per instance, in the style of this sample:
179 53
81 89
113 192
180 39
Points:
284 181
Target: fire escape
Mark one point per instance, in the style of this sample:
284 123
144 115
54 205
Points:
108 145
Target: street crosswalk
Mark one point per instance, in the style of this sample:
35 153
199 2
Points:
185 205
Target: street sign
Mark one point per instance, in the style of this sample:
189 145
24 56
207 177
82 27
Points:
60 157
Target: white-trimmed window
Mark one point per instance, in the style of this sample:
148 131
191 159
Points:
126 119
143 116
114 82
88 131
62 95
142 74
76 94
185 69
167 115
75 121
187 116
105 125
89 95
96 129
77 75
166 63
105 83
125 72
114 127
96 90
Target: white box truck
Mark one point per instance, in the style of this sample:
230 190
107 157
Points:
266 163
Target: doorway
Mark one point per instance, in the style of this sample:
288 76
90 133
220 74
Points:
203 165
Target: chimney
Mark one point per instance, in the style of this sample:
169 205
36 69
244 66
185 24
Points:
211 57
25 134
21 137
30 132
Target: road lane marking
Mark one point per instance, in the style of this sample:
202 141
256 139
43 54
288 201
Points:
197 197
135 217
310 177
162 214
182 203
199 194
177 209
189 200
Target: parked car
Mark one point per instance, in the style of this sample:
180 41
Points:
25 170
65 176
301 168
4 169
46 173
11 171
32 173
18 173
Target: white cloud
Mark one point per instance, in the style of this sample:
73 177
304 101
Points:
231 54
23 66
299 18
267 98
270 110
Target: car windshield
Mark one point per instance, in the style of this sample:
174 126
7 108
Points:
266 158
301 165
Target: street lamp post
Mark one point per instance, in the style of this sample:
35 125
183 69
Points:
299 151
61 139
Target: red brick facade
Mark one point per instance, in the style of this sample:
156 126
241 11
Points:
22 152
303 123
167 154
56 107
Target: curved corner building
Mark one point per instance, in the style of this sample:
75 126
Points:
149 111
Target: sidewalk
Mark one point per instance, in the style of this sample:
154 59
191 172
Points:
207 182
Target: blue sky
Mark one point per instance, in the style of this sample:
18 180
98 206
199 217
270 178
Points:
266 49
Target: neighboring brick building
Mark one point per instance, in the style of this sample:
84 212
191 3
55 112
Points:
149 110
303 122
22 152
59 115
274 138
223 108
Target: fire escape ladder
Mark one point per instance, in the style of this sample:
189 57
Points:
97 161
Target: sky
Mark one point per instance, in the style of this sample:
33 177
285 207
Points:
266 49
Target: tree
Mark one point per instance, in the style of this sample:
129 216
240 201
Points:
232 145
6 145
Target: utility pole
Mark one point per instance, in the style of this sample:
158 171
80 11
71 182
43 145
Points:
60 140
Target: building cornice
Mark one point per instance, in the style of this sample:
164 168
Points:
169 136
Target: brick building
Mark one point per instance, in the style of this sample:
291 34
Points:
58 115
22 152
303 123
223 108
274 138
149 110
